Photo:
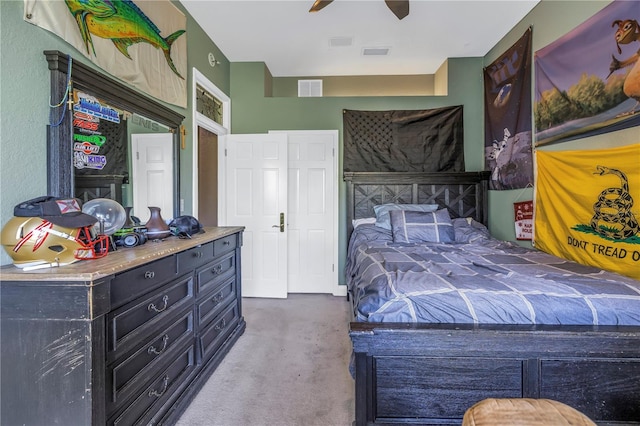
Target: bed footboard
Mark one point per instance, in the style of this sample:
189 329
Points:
431 374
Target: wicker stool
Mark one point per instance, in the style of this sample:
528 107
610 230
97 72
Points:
523 412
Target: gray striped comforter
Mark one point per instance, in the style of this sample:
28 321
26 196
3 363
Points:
484 282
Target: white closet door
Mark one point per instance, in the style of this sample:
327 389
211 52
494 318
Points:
312 188
256 199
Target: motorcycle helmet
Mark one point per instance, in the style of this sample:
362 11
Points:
51 232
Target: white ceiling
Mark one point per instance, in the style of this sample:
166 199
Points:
295 43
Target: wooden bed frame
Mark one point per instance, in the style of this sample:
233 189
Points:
432 373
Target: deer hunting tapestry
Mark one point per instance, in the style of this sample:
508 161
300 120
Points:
507 123
587 207
588 81
141 42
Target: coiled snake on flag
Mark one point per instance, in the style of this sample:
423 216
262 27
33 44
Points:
613 209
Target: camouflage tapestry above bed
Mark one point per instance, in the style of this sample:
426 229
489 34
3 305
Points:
404 141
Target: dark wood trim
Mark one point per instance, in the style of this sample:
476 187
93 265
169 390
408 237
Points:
109 89
98 366
60 174
592 369
391 183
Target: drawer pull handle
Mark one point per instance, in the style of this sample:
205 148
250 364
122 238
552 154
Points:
152 350
149 274
217 298
220 326
217 270
152 306
157 394
226 243
197 254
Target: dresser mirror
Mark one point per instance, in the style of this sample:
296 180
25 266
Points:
137 114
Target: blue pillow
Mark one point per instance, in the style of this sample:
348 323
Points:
382 211
467 230
421 227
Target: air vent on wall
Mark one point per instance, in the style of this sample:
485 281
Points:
309 88
375 51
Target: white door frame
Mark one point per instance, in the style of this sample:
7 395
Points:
200 120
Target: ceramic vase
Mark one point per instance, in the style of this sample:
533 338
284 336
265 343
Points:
157 228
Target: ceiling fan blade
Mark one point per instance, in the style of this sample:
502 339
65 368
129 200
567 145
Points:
319 5
400 8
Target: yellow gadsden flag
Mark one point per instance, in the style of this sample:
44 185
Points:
587 207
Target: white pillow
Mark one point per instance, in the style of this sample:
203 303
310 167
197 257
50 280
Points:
362 221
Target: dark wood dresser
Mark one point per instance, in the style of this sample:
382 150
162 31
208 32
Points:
126 339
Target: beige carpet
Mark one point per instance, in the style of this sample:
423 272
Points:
289 368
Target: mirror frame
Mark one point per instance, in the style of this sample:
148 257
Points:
60 172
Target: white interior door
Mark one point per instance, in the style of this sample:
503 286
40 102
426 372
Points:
152 169
312 207
256 199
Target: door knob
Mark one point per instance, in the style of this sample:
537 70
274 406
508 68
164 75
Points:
281 226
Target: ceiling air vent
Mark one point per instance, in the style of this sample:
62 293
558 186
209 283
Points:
309 88
375 51
340 41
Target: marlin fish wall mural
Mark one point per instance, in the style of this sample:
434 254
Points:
123 23
141 42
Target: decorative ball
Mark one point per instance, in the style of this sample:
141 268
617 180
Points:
110 214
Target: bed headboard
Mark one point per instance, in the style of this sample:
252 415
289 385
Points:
464 194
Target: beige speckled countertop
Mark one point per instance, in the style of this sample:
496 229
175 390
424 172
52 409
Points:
116 261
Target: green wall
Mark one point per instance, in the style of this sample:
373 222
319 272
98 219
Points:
252 112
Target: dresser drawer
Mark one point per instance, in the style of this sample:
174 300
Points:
215 273
154 400
212 337
133 371
128 285
134 323
225 245
195 257
212 303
